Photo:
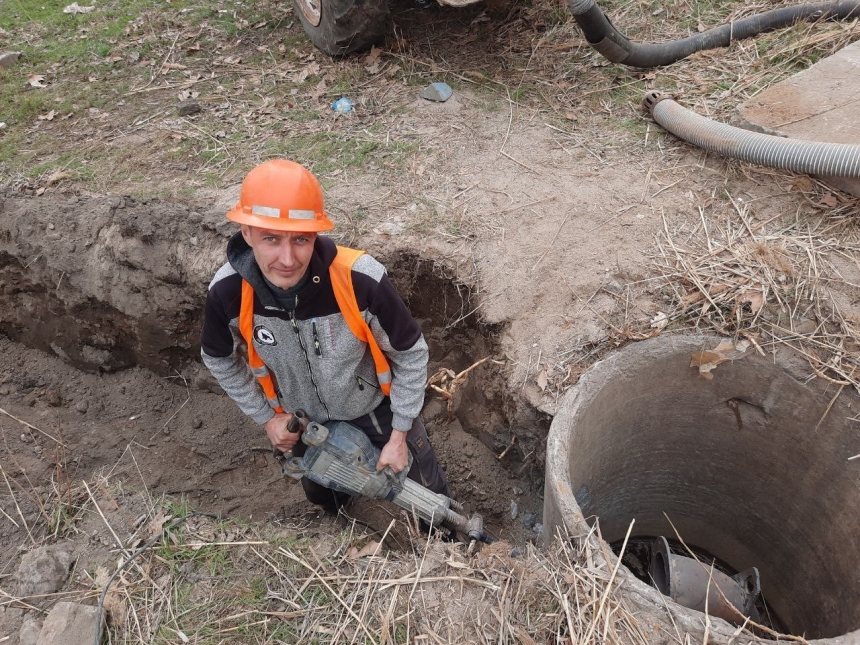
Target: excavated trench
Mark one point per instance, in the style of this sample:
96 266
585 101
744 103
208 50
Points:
750 467
112 285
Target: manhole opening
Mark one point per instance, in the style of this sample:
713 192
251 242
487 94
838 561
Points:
749 466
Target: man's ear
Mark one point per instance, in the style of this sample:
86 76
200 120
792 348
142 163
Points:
246 234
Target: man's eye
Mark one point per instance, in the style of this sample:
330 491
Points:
269 239
302 240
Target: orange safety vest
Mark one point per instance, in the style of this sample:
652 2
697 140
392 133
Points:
340 273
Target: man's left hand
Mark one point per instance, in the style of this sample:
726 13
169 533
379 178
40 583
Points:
395 453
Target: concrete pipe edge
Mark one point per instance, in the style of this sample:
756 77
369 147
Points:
660 618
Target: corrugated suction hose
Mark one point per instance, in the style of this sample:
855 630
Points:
615 46
814 158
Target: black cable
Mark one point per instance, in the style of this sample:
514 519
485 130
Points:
605 38
148 545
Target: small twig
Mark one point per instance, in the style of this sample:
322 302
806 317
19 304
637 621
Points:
32 427
510 445
554 238
17 508
519 163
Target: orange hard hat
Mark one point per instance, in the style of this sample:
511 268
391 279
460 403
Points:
284 196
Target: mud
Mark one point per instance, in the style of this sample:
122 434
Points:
100 330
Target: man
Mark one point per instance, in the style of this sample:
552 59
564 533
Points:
294 322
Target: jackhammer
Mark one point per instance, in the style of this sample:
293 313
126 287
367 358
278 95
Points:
340 456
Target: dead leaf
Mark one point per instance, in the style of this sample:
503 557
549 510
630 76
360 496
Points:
753 296
37 80
184 95
542 380
803 184
48 117
457 565
299 77
372 69
830 200
707 360
53 178
373 56
369 549
154 526
232 60
40 191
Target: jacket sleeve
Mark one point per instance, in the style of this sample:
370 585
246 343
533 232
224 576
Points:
219 350
400 338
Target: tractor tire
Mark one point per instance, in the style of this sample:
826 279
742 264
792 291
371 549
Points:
340 27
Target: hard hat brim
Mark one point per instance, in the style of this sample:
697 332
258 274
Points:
281 223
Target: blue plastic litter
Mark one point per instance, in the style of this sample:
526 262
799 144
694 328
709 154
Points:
342 105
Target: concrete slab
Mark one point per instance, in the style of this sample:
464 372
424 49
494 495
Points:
821 103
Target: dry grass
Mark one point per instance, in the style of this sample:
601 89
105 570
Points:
197 579
774 282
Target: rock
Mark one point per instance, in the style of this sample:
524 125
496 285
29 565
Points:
30 630
515 510
439 92
189 107
53 398
529 519
615 287
197 424
4 390
82 406
8 59
43 570
69 624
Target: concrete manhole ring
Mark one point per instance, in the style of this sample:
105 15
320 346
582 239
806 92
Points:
750 466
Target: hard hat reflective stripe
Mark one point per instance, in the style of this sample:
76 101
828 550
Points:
265 211
340 272
258 367
301 214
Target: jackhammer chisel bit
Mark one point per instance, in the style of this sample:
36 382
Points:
341 457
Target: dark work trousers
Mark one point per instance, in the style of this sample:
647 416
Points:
377 426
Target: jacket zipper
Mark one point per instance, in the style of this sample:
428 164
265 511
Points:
307 360
317 347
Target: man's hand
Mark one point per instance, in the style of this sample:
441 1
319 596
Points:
395 453
281 438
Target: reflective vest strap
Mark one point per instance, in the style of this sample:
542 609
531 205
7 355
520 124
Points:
258 367
340 272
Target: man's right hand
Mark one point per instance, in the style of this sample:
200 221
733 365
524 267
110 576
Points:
281 438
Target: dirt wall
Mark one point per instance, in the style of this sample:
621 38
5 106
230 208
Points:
106 282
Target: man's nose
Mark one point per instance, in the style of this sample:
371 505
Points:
286 253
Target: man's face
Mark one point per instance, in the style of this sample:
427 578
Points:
282 256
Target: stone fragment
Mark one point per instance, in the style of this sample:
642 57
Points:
439 92
189 107
82 406
69 623
30 630
8 59
43 570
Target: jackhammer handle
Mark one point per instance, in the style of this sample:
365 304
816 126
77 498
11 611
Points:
298 422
